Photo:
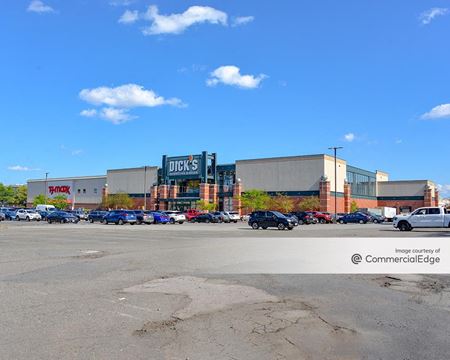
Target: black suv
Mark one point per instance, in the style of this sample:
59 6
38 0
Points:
303 217
265 219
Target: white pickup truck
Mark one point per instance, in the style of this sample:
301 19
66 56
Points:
426 217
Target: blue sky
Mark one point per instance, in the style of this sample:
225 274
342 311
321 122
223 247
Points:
93 85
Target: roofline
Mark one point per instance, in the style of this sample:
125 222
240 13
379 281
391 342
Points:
294 157
68 178
134 168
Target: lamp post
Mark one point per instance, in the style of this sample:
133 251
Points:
46 178
145 187
335 149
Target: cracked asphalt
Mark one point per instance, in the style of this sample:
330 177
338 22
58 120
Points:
127 292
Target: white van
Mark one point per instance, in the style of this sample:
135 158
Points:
48 208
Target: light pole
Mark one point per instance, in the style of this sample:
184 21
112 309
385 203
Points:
145 187
335 149
46 178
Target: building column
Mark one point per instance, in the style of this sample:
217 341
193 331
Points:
347 197
204 192
173 191
213 196
163 195
153 197
428 197
324 196
105 194
237 190
436 197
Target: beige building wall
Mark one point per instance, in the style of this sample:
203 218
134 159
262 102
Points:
404 188
293 173
341 166
131 181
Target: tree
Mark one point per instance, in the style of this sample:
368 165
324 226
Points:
119 201
20 196
281 203
311 203
353 206
6 194
205 205
255 199
59 202
39 200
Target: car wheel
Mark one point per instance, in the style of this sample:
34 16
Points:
17 218
264 227
341 221
120 222
404 226
28 218
172 221
361 221
207 221
132 223
105 222
180 222
322 221
255 226
300 222
281 227
235 221
290 227
49 221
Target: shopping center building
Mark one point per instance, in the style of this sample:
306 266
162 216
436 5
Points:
181 181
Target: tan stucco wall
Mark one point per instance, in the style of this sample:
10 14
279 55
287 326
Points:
404 188
341 172
131 181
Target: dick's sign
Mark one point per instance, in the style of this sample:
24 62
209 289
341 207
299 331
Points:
184 166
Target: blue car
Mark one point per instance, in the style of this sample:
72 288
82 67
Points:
120 217
10 213
160 218
354 218
97 215
61 217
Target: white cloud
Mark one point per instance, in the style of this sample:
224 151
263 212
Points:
231 75
428 16
21 168
129 17
88 113
177 23
39 7
444 189
398 141
349 137
126 96
76 152
116 116
121 2
438 112
242 20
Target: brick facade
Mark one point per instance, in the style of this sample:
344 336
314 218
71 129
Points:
237 190
325 198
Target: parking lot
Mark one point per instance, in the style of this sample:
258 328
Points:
94 291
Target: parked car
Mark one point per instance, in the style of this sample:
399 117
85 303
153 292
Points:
144 217
120 217
266 219
10 213
338 216
192 213
375 218
79 213
175 216
314 219
160 218
97 215
206 218
28 215
222 216
322 218
293 217
48 208
233 215
303 217
354 218
427 217
61 217
43 214
2 216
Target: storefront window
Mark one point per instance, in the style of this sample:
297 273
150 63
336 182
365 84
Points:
361 182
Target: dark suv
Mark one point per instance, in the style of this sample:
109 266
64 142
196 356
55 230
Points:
265 219
303 217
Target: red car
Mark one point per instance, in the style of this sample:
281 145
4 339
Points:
321 217
192 213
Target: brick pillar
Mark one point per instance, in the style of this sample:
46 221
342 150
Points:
173 191
105 194
436 197
153 197
347 197
204 192
325 198
428 197
237 190
163 195
213 189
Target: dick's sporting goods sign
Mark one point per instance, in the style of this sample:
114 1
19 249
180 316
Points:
183 166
